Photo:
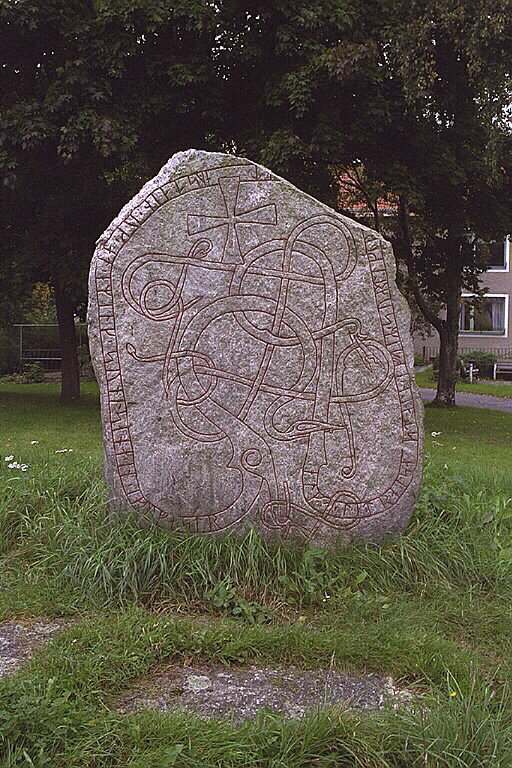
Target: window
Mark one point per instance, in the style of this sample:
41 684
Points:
499 255
488 317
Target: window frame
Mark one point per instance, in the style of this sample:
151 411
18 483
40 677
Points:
487 334
506 257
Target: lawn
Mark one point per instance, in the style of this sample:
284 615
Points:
432 610
470 439
32 412
498 388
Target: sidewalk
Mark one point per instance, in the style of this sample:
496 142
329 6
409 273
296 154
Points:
475 401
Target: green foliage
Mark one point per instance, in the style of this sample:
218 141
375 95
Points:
223 596
9 350
84 89
484 360
33 373
416 95
401 95
482 357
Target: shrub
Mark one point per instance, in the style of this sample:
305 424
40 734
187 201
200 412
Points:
483 358
33 373
9 351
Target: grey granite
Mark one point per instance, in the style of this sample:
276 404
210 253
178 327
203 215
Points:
240 693
254 360
19 639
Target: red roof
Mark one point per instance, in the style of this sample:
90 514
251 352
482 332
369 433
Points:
355 198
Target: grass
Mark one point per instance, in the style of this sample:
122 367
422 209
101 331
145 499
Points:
471 440
432 609
477 387
31 412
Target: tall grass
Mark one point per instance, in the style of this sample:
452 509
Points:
460 534
431 608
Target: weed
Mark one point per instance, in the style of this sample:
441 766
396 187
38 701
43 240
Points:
223 596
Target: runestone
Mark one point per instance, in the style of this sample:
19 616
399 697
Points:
254 360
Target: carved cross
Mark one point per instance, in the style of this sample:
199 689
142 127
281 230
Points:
230 188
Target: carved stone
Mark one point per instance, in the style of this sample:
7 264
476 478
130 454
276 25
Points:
254 359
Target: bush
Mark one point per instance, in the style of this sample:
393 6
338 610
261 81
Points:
483 358
9 351
33 373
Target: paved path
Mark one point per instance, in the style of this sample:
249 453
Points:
476 401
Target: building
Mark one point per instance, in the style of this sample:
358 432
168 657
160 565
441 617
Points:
487 326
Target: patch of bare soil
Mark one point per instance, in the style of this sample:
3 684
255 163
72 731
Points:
20 638
238 693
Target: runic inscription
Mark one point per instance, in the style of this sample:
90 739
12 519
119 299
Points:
253 359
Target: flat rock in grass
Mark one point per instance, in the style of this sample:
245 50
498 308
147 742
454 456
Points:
19 640
239 693
254 360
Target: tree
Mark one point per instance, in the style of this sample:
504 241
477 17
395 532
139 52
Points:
94 97
96 94
447 156
273 57
417 94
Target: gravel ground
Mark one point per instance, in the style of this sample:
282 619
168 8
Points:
238 693
19 639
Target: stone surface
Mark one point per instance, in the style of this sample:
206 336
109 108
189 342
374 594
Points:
254 359
239 693
19 639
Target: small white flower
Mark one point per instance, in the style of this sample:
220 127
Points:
435 434
24 467
13 465
34 442
9 458
446 466
62 450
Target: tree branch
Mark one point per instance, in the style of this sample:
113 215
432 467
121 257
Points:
407 253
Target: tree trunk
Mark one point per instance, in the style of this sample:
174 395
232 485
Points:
447 379
448 338
70 384
448 328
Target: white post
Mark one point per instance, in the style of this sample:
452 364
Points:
471 373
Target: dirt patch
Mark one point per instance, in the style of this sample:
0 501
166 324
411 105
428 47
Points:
239 693
19 639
